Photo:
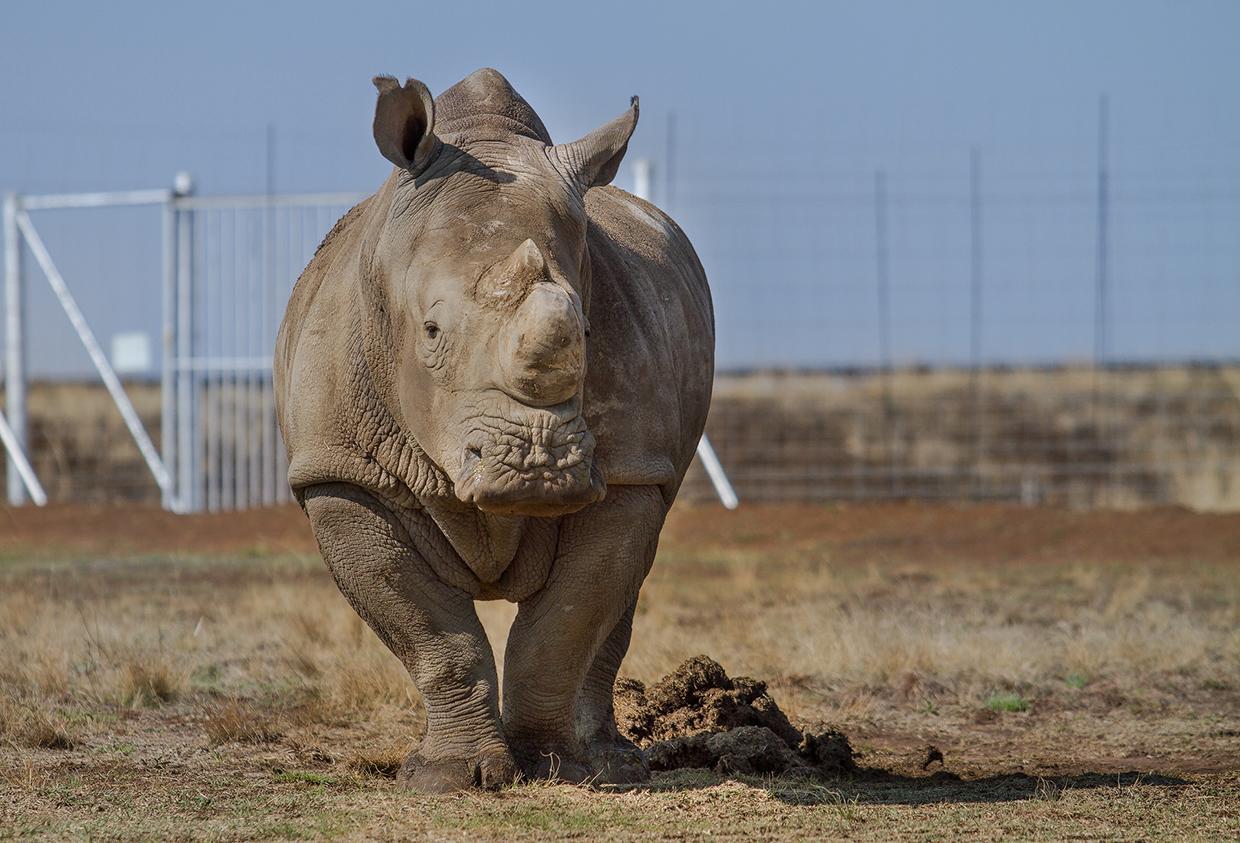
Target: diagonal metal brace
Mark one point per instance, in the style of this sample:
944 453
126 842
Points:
9 440
97 357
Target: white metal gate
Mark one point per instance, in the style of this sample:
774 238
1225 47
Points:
229 265
237 259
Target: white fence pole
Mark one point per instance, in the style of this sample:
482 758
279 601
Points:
20 465
186 381
14 354
714 470
642 178
167 383
113 384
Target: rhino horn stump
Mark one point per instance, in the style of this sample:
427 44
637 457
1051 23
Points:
542 347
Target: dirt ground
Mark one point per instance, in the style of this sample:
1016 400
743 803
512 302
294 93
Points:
853 532
999 672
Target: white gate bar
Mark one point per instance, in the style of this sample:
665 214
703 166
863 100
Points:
167 371
113 384
188 458
200 203
19 461
718 478
95 200
224 364
14 352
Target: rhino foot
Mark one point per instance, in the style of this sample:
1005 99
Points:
619 761
489 769
541 763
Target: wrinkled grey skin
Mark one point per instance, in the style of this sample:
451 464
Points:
491 379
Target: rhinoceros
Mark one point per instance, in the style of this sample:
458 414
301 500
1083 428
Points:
491 379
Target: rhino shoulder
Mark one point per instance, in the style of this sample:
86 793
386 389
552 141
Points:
651 355
335 426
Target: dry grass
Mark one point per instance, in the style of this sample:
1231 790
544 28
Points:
241 698
232 721
1124 438
31 725
959 633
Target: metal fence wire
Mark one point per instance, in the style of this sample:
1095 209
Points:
1065 338
240 260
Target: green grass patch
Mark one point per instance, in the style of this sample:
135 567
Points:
1007 703
306 777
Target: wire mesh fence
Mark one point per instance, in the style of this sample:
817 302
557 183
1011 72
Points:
244 259
1067 336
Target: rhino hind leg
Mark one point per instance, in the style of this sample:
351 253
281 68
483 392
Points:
430 626
568 640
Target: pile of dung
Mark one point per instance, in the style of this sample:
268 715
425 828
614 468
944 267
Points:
697 716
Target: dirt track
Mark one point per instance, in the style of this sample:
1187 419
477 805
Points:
849 532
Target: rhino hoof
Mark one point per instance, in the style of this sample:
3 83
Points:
489 770
619 763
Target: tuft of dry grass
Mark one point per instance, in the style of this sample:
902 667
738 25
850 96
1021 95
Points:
143 682
340 668
829 635
380 759
33 726
232 721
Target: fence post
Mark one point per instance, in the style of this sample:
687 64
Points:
15 348
167 379
975 318
883 299
186 381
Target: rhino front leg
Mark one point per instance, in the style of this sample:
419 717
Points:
604 554
430 626
614 757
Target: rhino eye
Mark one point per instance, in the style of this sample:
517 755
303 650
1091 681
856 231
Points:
431 329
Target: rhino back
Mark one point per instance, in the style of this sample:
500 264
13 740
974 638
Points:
651 353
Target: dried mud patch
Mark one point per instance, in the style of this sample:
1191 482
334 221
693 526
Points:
699 717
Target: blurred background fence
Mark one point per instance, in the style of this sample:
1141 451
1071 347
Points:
1066 335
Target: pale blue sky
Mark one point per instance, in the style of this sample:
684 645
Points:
783 110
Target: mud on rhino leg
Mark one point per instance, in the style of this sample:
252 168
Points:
430 626
604 554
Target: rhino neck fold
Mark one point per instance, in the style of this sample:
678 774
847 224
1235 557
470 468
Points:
486 543
394 466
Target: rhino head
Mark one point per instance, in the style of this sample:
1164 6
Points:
476 276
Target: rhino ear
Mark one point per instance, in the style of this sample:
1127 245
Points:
405 123
594 159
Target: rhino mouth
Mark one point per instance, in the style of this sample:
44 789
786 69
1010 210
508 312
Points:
520 460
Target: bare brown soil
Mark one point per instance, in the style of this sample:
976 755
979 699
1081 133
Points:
851 532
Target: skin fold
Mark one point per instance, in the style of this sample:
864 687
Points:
491 379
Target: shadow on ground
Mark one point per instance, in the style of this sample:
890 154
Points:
879 787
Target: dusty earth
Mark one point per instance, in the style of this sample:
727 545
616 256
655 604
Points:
874 672
963 532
